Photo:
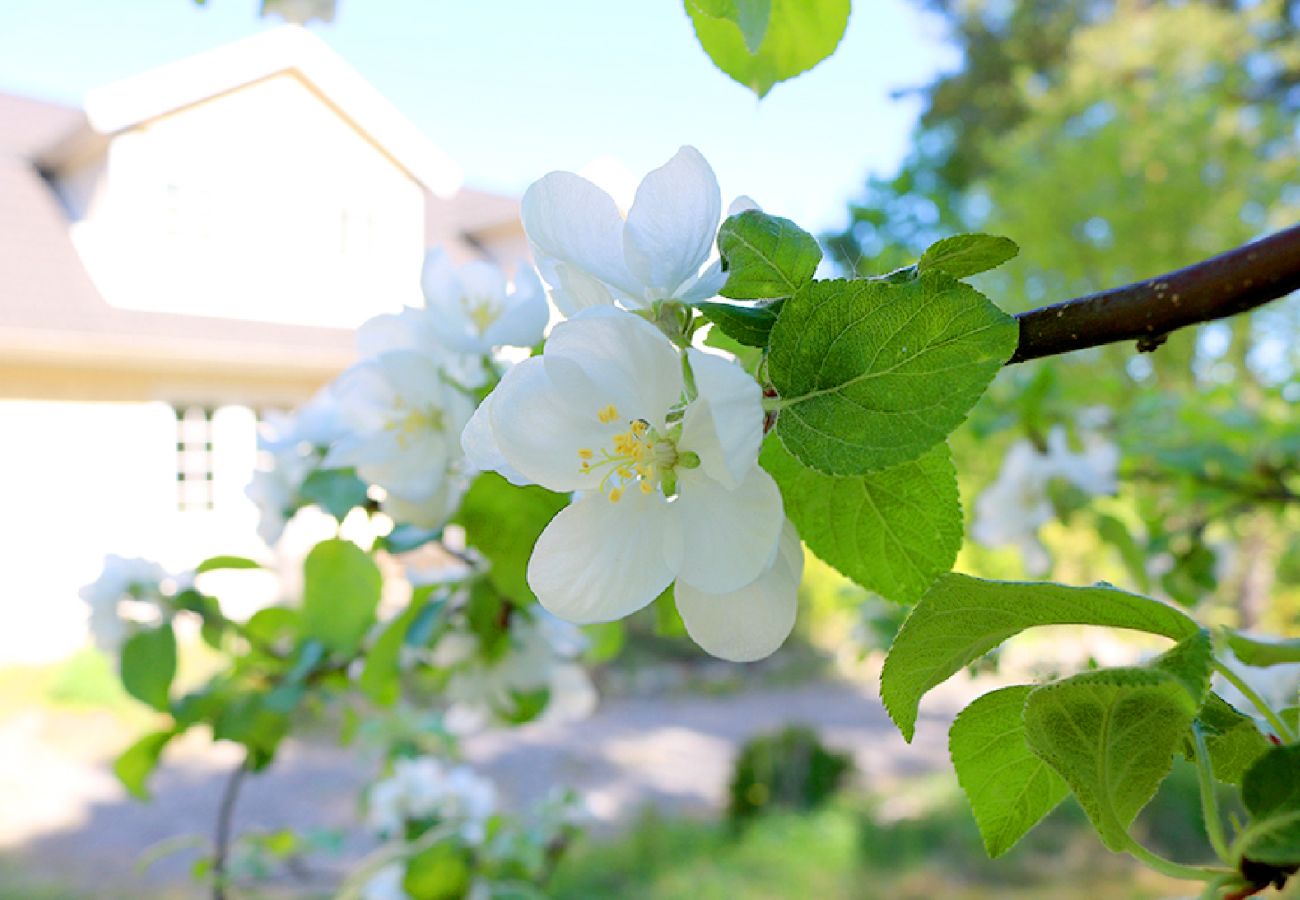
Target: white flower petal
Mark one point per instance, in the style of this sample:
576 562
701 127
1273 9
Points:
538 432
724 424
729 537
706 286
481 280
607 355
750 623
572 290
524 318
383 333
572 221
742 203
480 445
672 223
598 560
438 280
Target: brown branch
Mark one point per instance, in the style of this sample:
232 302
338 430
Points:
1227 284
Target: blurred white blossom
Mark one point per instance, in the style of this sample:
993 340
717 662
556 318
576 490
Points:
121 581
425 789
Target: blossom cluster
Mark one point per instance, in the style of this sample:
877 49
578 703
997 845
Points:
129 592
1019 501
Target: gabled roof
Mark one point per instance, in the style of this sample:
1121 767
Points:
51 310
290 48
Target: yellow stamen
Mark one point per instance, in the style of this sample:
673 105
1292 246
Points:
647 487
615 495
608 414
585 453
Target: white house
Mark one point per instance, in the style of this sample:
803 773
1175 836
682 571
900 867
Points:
190 249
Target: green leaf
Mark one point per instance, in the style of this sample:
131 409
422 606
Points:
963 255
440 873
1116 533
961 618
750 16
751 325
380 678
1272 784
138 761
1270 790
226 562
266 626
248 720
893 531
502 522
1254 652
1009 788
605 641
148 665
799 34
668 621
1232 740
341 588
1111 735
337 491
405 538
766 257
1191 661
872 375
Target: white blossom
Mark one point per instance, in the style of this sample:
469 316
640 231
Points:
426 788
591 256
471 311
669 489
404 419
540 656
122 580
1017 504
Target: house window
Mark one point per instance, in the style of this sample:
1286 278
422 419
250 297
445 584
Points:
194 480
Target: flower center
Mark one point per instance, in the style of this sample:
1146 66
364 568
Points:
482 311
640 457
411 422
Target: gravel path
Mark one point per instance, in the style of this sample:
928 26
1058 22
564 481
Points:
64 812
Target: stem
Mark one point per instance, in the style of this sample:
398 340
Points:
1168 866
1249 693
225 816
1147 311
1209 796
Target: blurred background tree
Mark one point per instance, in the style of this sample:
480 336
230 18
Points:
1115 141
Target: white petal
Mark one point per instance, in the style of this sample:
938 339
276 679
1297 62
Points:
724 424
414 376
608 355
572 290
707 285
524 318
751 623
537 431
729 537
598 561
438 280
481 280
672 223
571 220
480 445
381 334
742 203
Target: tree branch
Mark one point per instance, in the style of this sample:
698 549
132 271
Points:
1227 284
225 816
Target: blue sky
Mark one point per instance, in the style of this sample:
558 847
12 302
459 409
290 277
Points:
515 88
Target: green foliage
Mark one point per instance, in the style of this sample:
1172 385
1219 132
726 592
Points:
1255 652
1271 792
341 588
148 665
749 324
892 531
961 618
963 255
790 769
871 374
798 35
337 491
380 678
502 522
766 257
1010 789
226 562
1111 735
442 872
1232 740
134 766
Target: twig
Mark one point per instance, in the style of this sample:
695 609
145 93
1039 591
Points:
225 816
1147 311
